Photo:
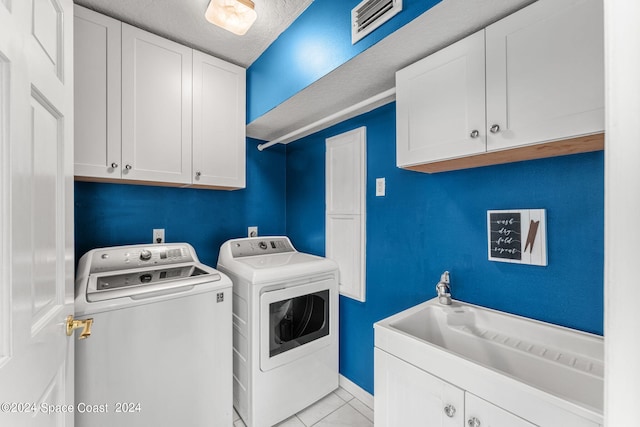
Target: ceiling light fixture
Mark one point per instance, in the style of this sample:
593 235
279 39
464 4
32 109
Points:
232 15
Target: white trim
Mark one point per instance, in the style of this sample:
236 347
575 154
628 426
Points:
359 393
362 107
622 208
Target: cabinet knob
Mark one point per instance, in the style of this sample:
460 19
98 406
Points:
474 133
473 422
495 129
128 167
114 165
198 174
450 410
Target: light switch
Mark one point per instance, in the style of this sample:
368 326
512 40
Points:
380 187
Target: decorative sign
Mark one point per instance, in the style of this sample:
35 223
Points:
517 236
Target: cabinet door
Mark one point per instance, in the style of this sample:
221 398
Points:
219 143
480 413
97 94
545 73
440 102
156 108
408 396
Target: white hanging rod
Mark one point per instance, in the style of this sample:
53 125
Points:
361 107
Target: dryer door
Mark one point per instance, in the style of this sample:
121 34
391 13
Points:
294 322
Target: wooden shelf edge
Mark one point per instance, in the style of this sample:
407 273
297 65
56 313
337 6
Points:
581 144
152 183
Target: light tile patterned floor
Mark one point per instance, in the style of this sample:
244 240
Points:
339 408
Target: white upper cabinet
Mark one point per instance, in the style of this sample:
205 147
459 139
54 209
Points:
151 110
97 94
440 103
219 116
543 72
156 107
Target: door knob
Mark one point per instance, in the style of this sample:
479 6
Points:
474 133
114 165
450 410
73 324
494 129
473 422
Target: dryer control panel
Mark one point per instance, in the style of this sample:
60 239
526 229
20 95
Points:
260 246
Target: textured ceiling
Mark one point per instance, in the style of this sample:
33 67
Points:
183 21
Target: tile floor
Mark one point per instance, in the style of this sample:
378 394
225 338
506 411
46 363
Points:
339 408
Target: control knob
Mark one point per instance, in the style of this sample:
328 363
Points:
145 255
263 245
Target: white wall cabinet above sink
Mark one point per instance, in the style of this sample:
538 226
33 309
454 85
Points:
149 110
527 86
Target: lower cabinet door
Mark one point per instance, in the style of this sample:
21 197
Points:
480 413
408 396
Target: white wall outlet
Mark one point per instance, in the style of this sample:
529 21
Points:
252 231
381 187
158 236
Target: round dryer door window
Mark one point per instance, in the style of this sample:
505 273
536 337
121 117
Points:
296 321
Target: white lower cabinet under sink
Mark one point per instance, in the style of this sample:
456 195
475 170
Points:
408 396
468 366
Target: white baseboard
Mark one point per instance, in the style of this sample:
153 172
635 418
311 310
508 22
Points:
358 392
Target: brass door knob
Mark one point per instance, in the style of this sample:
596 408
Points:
77 324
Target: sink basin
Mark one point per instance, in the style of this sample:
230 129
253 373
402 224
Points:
545 360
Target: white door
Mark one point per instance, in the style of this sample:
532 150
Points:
97 72
545 73
346 178
480 413
219 143
408 396
156 108
440 106
36 197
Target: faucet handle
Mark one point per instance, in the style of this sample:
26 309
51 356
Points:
444 278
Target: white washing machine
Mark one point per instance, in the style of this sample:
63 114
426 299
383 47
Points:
285 327
159 353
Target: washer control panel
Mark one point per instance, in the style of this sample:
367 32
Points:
260 246
125 257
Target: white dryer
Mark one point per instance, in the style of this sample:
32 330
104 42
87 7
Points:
285 327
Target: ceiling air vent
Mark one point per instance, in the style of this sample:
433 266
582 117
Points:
370 14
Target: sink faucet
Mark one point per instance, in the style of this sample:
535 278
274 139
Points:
444 289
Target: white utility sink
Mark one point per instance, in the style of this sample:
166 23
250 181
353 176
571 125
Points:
488 352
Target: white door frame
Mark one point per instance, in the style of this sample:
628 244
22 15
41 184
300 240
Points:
622 212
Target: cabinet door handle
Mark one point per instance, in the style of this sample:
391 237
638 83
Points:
474 133
128 167
198 174
495 129
473 422
450 410
114 165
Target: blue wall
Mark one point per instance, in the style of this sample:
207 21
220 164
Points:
430 223
119 214
315 44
